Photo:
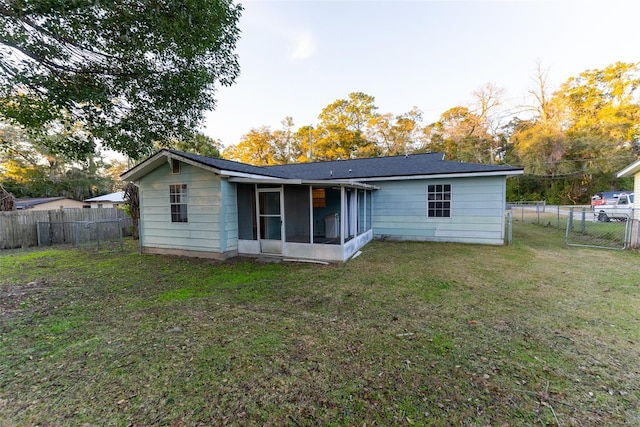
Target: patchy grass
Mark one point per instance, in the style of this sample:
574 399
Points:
405 334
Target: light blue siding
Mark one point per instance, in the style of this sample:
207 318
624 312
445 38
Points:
229 215
203 232
477 211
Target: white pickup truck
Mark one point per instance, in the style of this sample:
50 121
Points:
619 210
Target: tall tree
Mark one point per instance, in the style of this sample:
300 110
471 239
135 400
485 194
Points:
460 134
124 73
302 144
30 169
603 106
487 101
255 148
395 135
197 143
342 128
282 140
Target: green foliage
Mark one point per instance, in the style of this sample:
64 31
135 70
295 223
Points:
30 169
197 143
125 73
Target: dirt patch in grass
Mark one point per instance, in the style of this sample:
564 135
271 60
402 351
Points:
406 334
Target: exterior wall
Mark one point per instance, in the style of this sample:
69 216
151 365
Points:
636 196
229 215
477 211
105 204
203 234
57 204
314 251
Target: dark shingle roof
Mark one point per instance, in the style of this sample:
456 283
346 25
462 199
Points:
358 169
228 165
384 167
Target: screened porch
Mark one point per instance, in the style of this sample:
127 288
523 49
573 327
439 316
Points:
315 221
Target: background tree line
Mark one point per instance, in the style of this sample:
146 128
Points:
570 141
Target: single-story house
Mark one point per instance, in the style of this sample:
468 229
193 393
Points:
210 207
111 200
633 170
47 203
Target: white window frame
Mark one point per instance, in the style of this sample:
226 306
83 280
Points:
178 198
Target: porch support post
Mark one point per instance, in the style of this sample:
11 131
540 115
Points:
311 231
343 211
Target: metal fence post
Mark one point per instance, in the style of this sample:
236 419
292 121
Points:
509 229
570 219
583 225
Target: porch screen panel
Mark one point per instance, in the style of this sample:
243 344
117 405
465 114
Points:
362 209
351 205
369 209
247 227
297 213
326 215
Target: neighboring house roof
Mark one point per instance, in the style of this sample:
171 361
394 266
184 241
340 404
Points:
31 202
117 197
413 165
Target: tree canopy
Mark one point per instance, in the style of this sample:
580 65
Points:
30 169
125 73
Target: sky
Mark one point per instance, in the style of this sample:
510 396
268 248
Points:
297 57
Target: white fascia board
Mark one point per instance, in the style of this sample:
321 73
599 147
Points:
138 171
324 183
238 176
257 179
445 175
630 170
156 161
345 182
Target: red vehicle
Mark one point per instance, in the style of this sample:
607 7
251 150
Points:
605 198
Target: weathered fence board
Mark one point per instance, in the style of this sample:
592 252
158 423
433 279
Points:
18 229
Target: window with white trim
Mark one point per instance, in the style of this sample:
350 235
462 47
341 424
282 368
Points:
439 200
178 202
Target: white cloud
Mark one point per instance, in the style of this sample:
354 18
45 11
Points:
303 47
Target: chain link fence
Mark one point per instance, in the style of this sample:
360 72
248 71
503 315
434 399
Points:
581 225
589 231
541 214
98 235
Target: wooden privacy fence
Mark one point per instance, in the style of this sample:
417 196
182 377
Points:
19 229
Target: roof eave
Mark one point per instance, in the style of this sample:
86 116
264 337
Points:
506 173
158 159
318 182
630 170
164 155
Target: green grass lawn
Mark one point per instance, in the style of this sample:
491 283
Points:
406 334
